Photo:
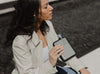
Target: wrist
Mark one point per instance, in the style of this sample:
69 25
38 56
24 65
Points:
81 70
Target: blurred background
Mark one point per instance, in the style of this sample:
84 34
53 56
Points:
77 20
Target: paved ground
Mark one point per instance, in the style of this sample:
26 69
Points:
80 22
92 61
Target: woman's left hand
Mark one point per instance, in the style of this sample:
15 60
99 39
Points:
84 71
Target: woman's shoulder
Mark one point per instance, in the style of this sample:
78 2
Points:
48 21
20 39
20 45
50 24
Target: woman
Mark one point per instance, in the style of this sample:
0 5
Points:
32 35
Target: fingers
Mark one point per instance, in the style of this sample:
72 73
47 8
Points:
55 53
57 50
60 54
57 47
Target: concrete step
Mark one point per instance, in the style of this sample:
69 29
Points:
92 61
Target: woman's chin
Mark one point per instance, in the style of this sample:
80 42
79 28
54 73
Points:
50 18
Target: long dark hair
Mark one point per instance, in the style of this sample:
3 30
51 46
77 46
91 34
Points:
24 23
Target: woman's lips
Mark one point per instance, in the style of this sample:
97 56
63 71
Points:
51 14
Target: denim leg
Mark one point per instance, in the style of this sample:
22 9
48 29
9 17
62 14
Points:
68 70
60 71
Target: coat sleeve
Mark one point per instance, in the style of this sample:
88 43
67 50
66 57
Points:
23 59
76 64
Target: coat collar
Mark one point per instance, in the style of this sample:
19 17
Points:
35 39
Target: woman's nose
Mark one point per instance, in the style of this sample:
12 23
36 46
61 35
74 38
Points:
50 7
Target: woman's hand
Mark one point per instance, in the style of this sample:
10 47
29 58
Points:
84 71
55 53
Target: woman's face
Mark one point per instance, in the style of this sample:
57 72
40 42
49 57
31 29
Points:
45 10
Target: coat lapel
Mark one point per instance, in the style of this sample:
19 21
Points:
49 42
35 39
38 48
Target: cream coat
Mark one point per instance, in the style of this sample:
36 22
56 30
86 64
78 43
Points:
28 57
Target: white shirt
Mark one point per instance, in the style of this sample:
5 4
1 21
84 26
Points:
45 53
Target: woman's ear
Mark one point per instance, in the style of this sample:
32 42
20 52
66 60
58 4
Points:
34 15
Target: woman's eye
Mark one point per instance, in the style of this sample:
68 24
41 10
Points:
45 7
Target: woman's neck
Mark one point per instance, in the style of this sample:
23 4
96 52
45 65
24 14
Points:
39 23
39 31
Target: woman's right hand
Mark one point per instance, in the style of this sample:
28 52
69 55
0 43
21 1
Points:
55 53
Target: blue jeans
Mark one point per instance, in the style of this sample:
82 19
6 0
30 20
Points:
65 70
